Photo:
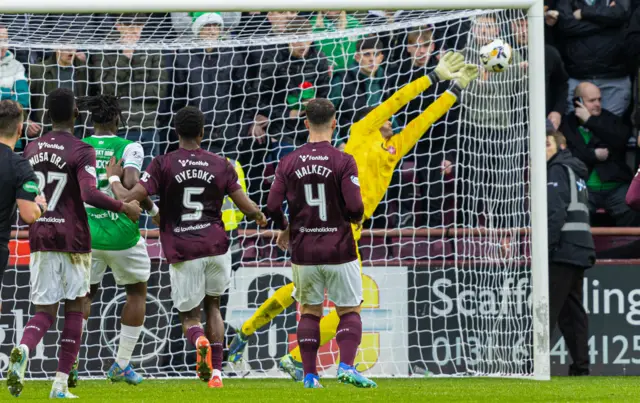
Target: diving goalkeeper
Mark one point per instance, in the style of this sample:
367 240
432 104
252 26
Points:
376 151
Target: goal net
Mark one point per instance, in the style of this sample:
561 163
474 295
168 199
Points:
447 255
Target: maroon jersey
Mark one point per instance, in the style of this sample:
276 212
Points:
192 185
65 167
320 184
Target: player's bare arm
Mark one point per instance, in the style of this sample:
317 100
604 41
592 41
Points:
248 207
130 178
283 239
136 194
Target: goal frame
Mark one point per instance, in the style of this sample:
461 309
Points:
537 141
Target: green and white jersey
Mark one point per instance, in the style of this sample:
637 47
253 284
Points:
109 230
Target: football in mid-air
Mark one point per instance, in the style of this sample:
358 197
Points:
496 56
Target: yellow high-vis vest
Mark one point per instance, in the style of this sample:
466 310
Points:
231 214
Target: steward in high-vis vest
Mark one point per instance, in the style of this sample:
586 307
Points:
231 215
571 249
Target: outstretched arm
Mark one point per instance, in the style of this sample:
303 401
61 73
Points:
86 175
248 207
133 158
138 192
130 179
447 69
409 136
240 199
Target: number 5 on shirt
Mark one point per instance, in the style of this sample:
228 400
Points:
190 204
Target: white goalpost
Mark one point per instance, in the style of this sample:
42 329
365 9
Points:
455 258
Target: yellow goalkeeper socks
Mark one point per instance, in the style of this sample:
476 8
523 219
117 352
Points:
278 302
328 329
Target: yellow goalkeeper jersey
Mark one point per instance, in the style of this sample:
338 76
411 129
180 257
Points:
376 157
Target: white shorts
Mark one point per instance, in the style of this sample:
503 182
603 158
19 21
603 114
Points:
342 281
56 276
129 266
193 279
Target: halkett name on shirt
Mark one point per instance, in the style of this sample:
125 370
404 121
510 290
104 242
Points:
313 169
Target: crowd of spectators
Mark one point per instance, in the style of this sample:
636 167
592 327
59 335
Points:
254 95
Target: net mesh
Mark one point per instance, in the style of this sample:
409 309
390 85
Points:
446 255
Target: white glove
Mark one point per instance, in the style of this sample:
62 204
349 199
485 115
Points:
449 66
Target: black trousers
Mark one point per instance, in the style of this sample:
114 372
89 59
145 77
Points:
4 260
565 309
236 260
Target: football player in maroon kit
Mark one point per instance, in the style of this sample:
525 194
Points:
192 184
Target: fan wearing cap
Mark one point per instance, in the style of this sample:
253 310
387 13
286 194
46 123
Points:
207 25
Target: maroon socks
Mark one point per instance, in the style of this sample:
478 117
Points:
216 356
35 329
193 333
70 341
309 342
348 336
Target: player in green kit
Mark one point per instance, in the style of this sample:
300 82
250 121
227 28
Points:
116 240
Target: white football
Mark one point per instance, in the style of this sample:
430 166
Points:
496 56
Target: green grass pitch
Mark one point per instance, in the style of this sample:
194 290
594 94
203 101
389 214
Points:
415 390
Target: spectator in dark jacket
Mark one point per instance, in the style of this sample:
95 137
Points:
632 41
557 86
271 23
274 23
207 79
286 80
571 250
590 36
359 87
598 138
550 20
416 61
138 78
434 154
280 79
62 70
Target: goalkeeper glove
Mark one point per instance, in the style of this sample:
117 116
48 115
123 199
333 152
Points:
467 74
449 66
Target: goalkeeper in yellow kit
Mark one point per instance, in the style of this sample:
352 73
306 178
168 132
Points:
376 151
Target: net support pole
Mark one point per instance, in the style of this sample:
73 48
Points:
538 192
